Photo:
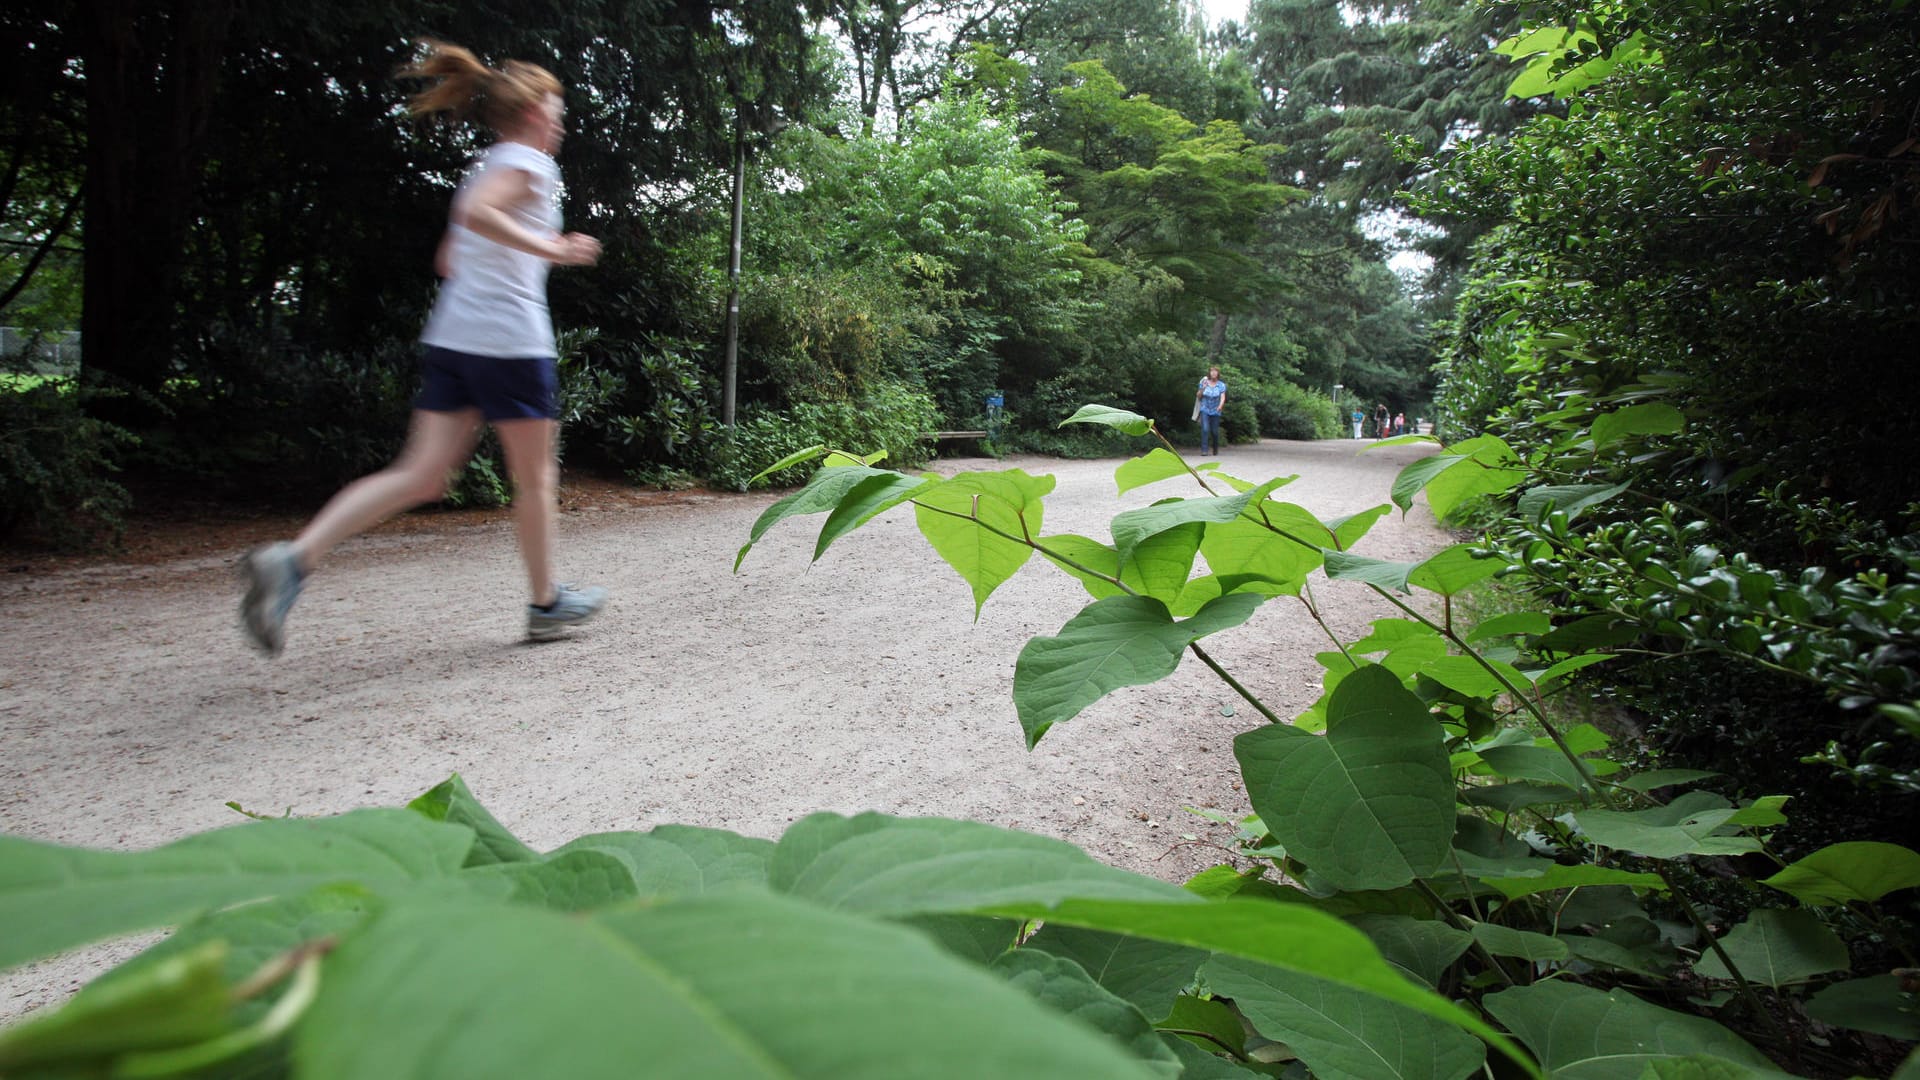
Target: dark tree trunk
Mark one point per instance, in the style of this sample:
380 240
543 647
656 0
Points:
1217 339
151 73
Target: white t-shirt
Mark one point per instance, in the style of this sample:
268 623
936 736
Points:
495 304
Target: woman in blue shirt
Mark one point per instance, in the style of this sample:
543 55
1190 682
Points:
1212 397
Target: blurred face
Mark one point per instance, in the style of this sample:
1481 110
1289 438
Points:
546 123
1213 373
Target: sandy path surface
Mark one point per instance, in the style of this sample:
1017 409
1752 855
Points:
131 712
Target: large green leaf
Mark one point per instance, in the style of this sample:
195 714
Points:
1555 876
822 493
1130 423
1449 571
1481 466
1115 642
867 500
1088 561
952 514
580 880
450 801
1291 937
888 866
1131 527
1863 870
1778 947
1150 974
1343 1034
1580 1033
1520 944
1246 547
1161 563
1875 1003
1685 826
682 860
1570 499
1423 948
53 898
1369 805
1651 418
1152 467
180 1000
1066 987
742 985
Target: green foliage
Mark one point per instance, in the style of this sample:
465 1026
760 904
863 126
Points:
56 465
1518 868
892 418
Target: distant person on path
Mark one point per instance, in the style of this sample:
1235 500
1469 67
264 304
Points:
1399 423
490 355
1382 419
1212 397
1358 419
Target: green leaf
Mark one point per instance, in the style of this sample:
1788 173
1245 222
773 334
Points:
1761 813
1570 499
1423 948
1651 418
1592 632
1161 563
1348 530
1114 642
894 867
1685 826
1875 1003
582 880
1453 569
1530 623
1065 987
952 515
1778 948
1291 937
1095 556
451 802
1342 1034
1557 876
53 898
1863 870
788 462
1131 527
1705 1067
1580 1033
1507 798
1481 466
867 500
1199 1064
1150 974
1150 468
1519 944
1400 440
1246 548
1209 1015
1130 423
179 1001
698 987
1659 778
823 492
1370 804
1342 566
1534 763
683 860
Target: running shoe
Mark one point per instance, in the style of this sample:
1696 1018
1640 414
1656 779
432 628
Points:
273 578
572 605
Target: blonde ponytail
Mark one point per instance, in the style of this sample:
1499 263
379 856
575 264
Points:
462 84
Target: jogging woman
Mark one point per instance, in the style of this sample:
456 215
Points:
490 353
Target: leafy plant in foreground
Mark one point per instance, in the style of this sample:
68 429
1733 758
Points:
1442 874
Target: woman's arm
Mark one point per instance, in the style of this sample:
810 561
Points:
488 211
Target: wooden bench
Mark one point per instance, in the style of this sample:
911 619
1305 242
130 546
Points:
937 435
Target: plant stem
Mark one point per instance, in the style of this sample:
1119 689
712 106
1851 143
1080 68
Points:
1175 451
1245 694
1306 597
1445 911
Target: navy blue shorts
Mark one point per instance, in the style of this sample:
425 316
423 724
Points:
502 388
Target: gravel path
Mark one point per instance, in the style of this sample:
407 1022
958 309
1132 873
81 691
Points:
131 712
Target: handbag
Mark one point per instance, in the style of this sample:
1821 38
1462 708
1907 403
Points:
1196 410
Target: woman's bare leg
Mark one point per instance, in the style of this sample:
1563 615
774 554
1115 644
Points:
437 443
529 446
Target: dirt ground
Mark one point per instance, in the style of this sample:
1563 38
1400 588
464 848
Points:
131 711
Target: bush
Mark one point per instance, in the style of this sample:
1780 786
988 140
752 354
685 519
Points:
892 418
55 467
1285 411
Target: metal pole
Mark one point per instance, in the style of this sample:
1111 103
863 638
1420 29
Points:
733 272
